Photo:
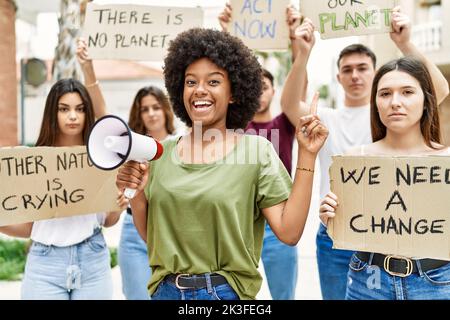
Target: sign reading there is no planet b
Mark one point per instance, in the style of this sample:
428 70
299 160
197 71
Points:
135 32
341 18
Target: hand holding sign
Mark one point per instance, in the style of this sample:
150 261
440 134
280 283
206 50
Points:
401 27
328 207
305 35
225 17
82 52
311 133
293 18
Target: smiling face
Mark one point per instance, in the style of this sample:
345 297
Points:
71 115
207 93
400 101
152 114
356 73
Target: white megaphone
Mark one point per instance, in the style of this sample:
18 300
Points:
111 143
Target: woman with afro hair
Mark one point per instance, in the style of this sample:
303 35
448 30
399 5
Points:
203 205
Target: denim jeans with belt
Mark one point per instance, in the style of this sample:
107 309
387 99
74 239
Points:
333 266
370 282
133 262
168 291
280 266
77 272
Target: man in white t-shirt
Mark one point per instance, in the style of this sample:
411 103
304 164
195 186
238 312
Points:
348 126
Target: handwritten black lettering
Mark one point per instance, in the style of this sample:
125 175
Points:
351 175
381 225
5 206
352 226
417 173
400 201
434 228
433 174
100 40
399 226
146 18
399 174
373 175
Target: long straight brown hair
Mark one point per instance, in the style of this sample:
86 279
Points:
135 121
429 123
49 127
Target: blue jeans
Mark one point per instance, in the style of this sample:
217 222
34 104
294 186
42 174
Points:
332 265
168 291
369 282
78 272
133 262
280 265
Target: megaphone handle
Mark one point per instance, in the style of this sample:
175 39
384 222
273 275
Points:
129 193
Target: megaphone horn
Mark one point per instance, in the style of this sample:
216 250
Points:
111 143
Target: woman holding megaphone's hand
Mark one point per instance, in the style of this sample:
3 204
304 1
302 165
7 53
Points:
150 114
203 205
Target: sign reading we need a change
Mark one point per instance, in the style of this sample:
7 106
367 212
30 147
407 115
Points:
341 18
135 32
260 24
48 182
392 205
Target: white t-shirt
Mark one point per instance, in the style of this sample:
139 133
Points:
63 232
348 127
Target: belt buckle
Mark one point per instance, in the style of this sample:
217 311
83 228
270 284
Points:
178 277
409 266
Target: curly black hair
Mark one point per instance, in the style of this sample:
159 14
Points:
228 53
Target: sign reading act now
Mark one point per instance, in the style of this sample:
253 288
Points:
392 205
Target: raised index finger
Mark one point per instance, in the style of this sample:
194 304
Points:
315 100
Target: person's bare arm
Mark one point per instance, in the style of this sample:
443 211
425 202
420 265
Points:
113 217
90 79
22 230
401 35
287 219
294 89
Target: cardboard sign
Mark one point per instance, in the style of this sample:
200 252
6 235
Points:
260 24
392 205
44 182
341 18
133 32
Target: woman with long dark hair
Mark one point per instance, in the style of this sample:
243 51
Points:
404 122
68 258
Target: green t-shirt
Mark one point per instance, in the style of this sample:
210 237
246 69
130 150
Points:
207 217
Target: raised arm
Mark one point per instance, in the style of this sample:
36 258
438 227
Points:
293 19
401 35
288 219
294 89
225 17
90 79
